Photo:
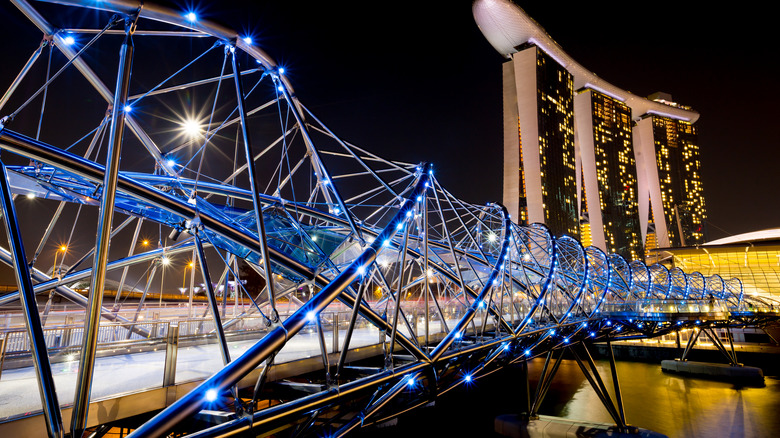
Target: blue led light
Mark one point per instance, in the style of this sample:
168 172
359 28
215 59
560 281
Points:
211 395
386 242
69 40
128 108
565 340
467 378
311 315
280 88
281 70
527 352
248 40
191 16
410 381
361 270
170 163
457 335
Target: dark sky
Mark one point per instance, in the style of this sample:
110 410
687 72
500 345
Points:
416 83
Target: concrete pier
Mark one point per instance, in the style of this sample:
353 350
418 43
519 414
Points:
554 427
714 370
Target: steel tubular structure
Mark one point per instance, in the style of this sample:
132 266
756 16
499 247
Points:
232 168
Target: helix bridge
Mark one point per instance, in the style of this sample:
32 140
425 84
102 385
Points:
223 161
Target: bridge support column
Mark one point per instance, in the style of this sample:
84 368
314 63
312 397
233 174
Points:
730 356
592 374
527 390
615 382
691 342
545 380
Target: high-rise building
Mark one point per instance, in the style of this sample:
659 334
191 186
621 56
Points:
632 173
605 146
539 102
674 176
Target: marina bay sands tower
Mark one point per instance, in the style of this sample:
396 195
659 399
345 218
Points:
588 159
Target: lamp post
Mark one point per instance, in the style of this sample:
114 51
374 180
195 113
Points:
164 261
54 270
191 266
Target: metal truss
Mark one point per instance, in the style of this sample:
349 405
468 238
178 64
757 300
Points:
221 161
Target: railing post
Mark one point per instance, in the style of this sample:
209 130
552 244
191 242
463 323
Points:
171 351
67 332
155 319
3 343
335 333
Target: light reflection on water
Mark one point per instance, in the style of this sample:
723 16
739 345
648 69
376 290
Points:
670 404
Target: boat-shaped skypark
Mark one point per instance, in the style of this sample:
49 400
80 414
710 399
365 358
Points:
571 136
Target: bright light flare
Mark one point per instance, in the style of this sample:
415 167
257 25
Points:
191 127
191 16
211 395
69 40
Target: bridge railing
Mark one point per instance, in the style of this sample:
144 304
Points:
655 306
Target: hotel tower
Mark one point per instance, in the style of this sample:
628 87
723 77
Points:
586 158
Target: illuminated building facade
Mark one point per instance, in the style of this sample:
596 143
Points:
751 257
635 174
609 181
539 119
677 192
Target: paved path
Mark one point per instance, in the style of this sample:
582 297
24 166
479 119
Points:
133 372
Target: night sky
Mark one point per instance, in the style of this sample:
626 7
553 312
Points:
417 83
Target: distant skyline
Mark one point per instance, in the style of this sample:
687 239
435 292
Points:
417 83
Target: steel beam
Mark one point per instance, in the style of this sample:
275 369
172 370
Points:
255 183
18 80
276 338
105 218
48 392
223 347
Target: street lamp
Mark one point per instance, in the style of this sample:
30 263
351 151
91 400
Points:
191 128
164 261
63 249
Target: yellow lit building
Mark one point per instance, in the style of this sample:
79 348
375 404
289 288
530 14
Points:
754 258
